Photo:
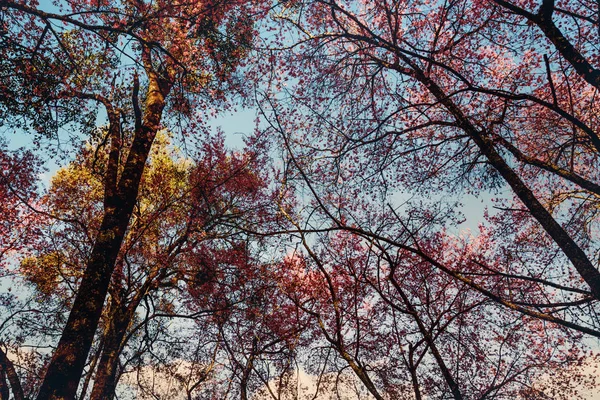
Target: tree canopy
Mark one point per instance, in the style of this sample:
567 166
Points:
337 253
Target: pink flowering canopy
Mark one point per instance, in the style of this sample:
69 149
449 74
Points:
414 216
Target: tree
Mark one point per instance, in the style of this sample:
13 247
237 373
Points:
409 100
186 216
399 109
18 187
57 64
386 114
409 330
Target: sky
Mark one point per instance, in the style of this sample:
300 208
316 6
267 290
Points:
235 125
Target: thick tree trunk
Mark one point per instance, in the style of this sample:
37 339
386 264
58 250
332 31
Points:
69 358
65 369
120 316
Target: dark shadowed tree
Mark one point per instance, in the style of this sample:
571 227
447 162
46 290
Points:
138 61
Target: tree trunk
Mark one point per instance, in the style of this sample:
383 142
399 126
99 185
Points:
4 390
120 315
65 369
105 381
570 248
8 370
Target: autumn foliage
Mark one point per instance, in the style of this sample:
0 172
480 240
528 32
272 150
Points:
413 215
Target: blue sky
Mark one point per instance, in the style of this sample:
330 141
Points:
236 125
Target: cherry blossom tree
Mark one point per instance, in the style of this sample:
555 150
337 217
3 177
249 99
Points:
17 189
408 330
352 265
396 104
18 229
388 113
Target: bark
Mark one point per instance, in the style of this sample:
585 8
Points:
65 369
247 371
8 369
4 389
120 317
105 381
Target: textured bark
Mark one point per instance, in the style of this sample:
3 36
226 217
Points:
105 380
4 389
120 316
65 369
8 368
